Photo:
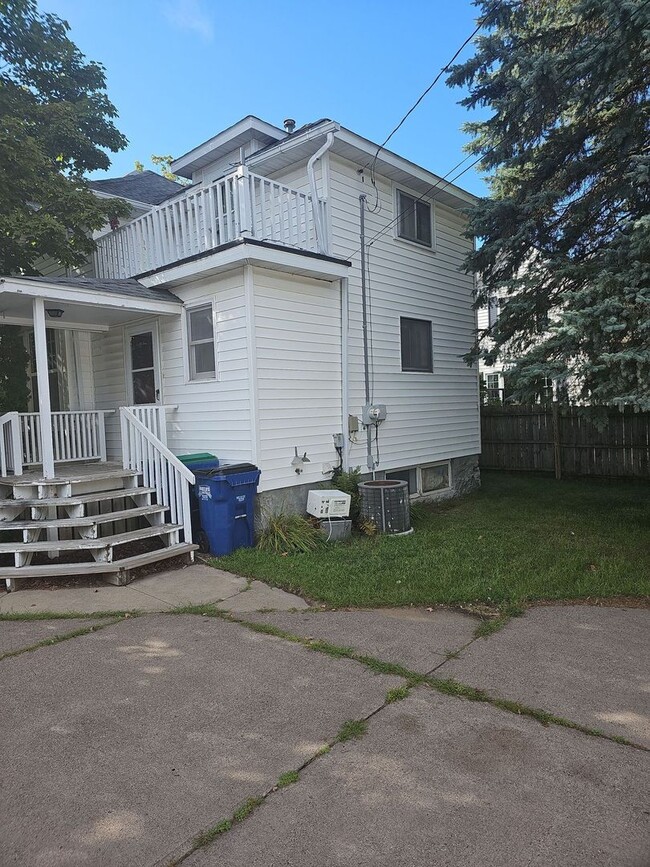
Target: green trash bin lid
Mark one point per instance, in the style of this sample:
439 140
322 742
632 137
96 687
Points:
195 458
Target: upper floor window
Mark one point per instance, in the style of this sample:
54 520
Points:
416 345
200 338
414 219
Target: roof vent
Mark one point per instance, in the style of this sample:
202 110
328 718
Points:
289 125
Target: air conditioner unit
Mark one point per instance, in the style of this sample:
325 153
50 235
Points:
328 504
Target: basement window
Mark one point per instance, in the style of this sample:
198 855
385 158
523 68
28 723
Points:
416 345
423 479
414 219
200 337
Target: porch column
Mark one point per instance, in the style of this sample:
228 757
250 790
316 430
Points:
43 380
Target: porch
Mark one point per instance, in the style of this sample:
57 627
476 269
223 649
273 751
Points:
241 205
60 494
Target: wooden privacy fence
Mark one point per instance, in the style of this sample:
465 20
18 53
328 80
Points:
566 441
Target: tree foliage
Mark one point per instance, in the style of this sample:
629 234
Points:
14 388
163 162
566 232
57 125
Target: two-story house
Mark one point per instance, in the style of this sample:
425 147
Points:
232 316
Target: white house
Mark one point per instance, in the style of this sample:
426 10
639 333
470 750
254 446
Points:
228 317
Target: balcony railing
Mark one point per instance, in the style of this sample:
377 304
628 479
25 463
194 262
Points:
204 218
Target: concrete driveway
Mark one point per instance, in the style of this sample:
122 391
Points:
161 739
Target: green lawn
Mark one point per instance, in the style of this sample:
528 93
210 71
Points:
518 539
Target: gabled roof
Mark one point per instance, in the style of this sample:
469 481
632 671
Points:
146 186
130 288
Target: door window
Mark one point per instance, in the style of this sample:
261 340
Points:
143 371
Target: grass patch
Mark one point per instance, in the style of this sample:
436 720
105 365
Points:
287 533
65 615
516 540
352 729
246 809
206 837
287 779
57 639
397 694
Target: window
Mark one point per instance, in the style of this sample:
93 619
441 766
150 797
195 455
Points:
435 478
493 310
200 337
416 345
414 222
410 476
423 480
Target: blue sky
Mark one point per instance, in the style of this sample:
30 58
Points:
179 71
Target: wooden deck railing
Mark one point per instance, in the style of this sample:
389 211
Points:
204 218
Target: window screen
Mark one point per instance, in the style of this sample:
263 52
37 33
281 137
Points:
416 345
413 219
200 330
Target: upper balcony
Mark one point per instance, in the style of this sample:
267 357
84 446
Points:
240 205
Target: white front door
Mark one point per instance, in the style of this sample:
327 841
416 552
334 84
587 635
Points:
142 364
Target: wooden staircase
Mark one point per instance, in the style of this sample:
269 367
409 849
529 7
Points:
92 519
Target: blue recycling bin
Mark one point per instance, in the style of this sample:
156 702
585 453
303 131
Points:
226 498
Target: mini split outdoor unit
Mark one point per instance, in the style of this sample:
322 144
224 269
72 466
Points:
386 503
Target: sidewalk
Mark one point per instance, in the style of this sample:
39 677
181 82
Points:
193 585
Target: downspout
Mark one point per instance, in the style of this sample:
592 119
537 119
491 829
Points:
345 385
370 462
315 203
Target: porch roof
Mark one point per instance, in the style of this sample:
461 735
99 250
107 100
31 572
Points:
87 302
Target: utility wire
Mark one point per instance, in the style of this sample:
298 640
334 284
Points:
428 90
482 156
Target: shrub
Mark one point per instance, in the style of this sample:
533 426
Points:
288 534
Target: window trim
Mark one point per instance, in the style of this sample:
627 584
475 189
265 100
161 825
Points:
397 189
416 319
187 344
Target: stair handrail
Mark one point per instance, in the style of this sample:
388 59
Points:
11 458
160 468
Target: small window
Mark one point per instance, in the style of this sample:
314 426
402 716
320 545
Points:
416 345
410 476
493 310
414 221
200 334
434 478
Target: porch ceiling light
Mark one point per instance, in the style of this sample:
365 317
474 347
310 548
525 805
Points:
54 312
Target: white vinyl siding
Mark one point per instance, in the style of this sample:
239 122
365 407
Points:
431 417
298 348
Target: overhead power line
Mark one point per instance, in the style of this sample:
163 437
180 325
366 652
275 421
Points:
443 179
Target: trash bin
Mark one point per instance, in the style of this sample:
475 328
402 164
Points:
226 497
199 461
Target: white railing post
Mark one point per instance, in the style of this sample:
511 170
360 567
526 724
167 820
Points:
124 431
244 197
101 434
16 444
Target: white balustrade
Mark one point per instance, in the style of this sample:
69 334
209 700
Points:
154 417
145 453
77 435
204 218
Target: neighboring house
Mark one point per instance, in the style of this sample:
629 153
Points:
227 317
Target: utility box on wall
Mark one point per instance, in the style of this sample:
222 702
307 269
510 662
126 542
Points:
328 504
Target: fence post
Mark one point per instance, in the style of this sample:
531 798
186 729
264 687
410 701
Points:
557 450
